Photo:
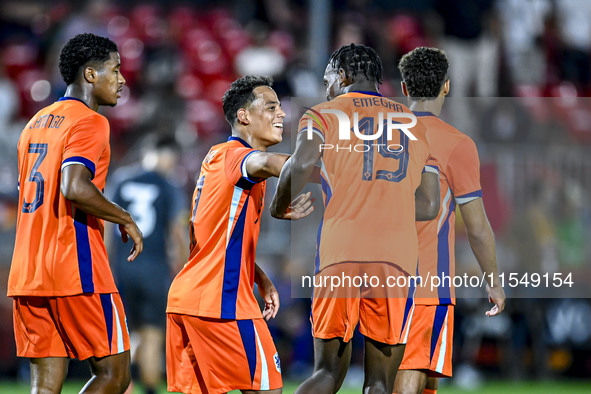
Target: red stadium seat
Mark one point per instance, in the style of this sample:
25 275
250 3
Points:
533 100
206 116
32 102
19 57
125 115
148 21
216 90
181 20
207 58
284 42
189 86
405 33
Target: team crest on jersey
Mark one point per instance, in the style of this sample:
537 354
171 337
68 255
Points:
277 362
210 155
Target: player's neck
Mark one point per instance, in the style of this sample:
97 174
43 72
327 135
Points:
249 139
433 106
362 86
82 95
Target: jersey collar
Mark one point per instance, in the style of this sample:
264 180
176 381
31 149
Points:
364 92
368 92
233 138
423 113
72 98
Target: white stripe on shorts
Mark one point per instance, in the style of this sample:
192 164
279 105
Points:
264 368
120 347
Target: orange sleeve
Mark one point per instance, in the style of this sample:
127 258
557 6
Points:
235 166
464 171
432 165
86 142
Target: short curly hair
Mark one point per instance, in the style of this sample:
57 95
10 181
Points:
80 50
241 94
358 59
424 70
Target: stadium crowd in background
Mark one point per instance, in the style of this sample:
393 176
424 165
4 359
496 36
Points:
179 57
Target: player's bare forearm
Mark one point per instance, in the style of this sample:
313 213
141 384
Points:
259 275
482 242
292 180
315 177
264 165
427 197
296 173
268 292
77 187
480 236
282 196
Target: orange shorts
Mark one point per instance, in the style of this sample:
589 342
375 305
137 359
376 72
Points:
205 355
79 326
430 340
382 311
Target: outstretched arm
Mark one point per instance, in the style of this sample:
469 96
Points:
427 197
268 292
264 165
77 187
295 174
482 241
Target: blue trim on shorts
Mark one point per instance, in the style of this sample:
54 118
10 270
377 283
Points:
246 328
409 302
438 321
108 312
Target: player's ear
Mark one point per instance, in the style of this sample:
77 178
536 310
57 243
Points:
343 79
404 89
445 89
90 74
242 116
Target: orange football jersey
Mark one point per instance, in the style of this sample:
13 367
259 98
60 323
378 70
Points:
59 249
459 181
368 184
218 279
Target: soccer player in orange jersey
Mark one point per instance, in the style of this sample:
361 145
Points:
429 348
66 304
217 340
369 219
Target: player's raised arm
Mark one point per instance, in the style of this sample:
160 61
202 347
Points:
77 187
295 174
264 165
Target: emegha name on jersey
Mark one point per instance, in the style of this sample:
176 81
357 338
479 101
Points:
374 101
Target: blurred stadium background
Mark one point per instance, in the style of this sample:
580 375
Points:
524 64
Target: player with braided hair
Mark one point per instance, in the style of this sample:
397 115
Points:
357 59
368 226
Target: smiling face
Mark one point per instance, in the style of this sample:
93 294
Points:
109 81
265 117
